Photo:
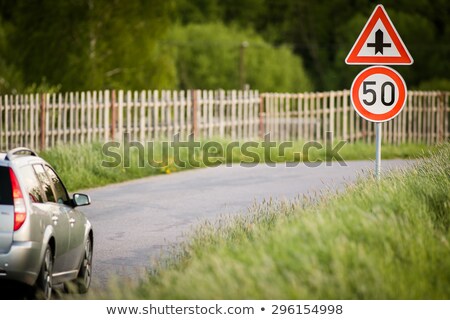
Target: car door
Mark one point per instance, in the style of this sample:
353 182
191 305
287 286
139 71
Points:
76 222
59 219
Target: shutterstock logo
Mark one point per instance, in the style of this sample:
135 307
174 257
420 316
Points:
212 153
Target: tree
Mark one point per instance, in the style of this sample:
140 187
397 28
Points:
10 76
208 56
322 32
92 44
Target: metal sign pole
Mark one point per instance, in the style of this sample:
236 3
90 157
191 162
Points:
377 150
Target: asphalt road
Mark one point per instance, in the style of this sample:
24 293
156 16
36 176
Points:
135 222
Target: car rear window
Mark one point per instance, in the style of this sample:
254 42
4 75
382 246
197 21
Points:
32 184
5 187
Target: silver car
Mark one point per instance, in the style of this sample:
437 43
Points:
44 239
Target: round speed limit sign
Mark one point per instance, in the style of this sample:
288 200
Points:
378 93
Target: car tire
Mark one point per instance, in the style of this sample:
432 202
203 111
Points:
44 283
85 274
83 281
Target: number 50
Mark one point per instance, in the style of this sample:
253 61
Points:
372 92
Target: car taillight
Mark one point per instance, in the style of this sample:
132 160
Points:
20 213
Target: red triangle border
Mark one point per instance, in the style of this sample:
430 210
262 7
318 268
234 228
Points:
379 14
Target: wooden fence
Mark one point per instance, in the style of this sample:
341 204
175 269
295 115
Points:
40 121
425 118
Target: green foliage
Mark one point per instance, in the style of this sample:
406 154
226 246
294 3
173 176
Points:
42 87
244 13
322 32
435 84
294 45
208 56
10 76
92 44
376 240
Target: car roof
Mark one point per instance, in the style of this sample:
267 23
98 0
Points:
18 155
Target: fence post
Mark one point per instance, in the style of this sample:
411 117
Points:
445 115
195 113
42 122
120 115
261 116
345 115
113 115
222 113
440 113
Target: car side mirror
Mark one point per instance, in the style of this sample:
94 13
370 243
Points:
80 199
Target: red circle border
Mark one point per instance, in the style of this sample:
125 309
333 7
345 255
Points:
394 75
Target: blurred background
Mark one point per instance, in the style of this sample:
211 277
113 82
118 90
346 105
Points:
268 45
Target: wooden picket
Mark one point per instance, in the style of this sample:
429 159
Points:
45 120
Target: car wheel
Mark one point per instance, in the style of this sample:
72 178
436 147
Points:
44 283
82 283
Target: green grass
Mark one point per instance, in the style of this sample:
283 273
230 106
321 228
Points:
386 240
80 166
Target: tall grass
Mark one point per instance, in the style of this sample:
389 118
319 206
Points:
377 240
80 166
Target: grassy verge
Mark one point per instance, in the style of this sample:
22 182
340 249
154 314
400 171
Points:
387 240
80 166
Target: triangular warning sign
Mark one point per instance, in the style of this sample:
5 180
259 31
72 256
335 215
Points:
379 43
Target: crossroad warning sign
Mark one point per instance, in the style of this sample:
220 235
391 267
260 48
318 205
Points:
379 43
